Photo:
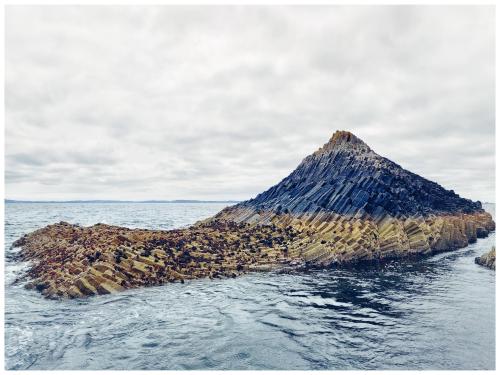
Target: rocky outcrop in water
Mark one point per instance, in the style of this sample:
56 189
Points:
343 204
487 260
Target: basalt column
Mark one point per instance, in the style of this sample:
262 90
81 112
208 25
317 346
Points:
357 205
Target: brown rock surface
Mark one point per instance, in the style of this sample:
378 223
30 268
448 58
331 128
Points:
73 261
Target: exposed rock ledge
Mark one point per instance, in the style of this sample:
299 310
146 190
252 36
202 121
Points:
487 259
344 203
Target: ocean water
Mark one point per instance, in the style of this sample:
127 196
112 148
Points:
432 313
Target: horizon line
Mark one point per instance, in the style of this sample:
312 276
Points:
122 201
6 200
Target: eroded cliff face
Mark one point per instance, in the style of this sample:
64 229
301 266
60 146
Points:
343 204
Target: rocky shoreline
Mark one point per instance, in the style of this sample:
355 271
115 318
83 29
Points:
342 205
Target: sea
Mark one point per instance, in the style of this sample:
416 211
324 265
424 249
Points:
432 313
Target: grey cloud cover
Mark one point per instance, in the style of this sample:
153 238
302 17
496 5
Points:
111 102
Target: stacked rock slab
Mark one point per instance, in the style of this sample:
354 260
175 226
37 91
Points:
357 205
343 204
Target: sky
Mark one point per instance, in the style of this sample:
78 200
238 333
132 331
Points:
217 103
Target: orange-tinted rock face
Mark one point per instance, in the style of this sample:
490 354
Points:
343 204
337 239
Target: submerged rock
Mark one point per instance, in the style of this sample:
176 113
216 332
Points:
487 259
343 204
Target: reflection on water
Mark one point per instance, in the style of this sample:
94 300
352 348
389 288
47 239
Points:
433 313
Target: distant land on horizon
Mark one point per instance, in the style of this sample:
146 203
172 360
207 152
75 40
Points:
132 201
122 201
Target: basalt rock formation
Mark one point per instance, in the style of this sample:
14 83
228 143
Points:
487 259
343 204
74 261
357 205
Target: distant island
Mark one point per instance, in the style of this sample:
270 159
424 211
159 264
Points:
342 205
123 201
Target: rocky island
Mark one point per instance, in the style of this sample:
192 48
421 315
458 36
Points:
343 204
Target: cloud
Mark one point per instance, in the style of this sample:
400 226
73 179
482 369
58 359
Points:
222 102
